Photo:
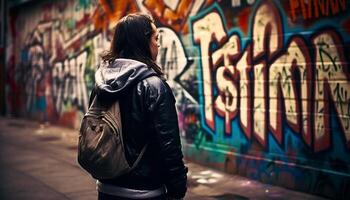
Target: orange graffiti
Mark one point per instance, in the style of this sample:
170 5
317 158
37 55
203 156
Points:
110 11
315 8
174 18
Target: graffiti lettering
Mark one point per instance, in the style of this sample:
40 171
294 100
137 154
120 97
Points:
50 59
203 32
244 68
226 103
331 86
172 56
69 84
282 79
282 86
315 8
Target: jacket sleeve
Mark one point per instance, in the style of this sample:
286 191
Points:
164 116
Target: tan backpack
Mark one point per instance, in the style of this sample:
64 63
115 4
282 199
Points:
101 149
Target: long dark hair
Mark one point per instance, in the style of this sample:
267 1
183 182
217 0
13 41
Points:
131 39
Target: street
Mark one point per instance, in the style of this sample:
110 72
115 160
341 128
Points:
38 162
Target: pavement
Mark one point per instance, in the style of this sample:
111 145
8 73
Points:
38 162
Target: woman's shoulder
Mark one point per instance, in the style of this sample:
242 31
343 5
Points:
154 87
155 82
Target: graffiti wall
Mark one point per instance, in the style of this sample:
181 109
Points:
262 86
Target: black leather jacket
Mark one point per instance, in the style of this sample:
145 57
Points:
148 116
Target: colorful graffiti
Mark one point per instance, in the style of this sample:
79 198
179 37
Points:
316 9
174 13
287 91
54 64
110 11
262 87
272 80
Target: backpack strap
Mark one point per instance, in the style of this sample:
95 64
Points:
140 156
93 102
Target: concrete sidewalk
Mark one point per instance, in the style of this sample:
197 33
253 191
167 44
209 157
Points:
39 162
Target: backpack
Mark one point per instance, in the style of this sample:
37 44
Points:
101 150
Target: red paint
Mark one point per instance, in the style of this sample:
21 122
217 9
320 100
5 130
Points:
47 10
82 23
243 19
68 118
346 25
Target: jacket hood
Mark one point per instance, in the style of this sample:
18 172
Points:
117 76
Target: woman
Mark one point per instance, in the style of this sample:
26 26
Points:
130 74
